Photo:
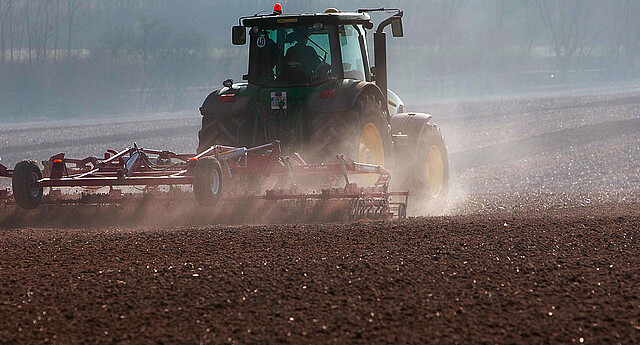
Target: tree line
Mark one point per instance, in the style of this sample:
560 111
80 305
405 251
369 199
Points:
96 57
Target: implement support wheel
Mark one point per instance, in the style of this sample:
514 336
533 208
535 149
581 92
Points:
207 181
27 191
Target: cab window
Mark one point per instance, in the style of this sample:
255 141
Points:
290 56
352 63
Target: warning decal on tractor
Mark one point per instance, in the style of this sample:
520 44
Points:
278 100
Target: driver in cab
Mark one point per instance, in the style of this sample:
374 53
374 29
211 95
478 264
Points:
301 60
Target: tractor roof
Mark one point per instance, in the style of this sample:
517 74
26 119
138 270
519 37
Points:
273 20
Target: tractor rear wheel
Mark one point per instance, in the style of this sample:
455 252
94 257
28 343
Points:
362 134
207 181
26 190
223 130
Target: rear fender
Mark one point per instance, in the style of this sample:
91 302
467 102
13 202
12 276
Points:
346 93
212 105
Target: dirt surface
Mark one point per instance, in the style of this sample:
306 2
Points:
554 277
538 245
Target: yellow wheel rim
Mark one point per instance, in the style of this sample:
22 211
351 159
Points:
435 171
371 147
371 150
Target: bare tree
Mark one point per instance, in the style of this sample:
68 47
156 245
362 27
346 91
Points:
567 22
449 12
629 30
11 29
56 31
27 26
39 30
152 44
4 11
72 8
45 28
36 25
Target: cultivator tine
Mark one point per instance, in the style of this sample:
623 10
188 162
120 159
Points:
297 155
343 167
287 164
225 164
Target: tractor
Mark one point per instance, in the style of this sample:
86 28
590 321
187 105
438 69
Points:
310 85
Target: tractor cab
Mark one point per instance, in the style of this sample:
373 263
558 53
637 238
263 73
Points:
305 49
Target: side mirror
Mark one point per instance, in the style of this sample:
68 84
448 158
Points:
396 27
238 35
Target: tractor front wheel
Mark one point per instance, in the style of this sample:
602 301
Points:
435 162
428 179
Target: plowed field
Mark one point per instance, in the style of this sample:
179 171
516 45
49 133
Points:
538 245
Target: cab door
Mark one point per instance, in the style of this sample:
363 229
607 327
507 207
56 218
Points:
353 52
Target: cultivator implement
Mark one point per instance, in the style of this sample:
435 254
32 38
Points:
216 177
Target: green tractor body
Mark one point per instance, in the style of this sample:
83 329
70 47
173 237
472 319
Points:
311 86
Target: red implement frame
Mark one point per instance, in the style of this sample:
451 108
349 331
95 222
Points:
137 166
